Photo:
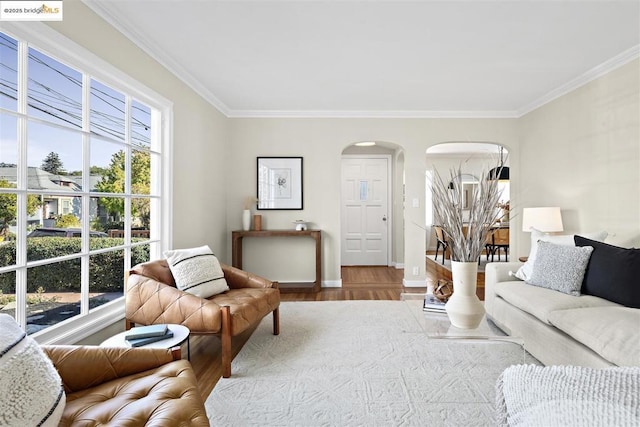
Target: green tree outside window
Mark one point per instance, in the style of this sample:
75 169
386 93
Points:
9 207
113 182
53 164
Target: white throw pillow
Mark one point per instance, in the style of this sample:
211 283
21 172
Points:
32 392
197 271
524 272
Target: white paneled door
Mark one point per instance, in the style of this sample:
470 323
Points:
365 218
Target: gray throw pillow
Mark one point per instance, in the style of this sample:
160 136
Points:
560 267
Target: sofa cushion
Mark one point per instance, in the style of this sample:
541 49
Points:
613 273
197 271
560 267
32 392
167 395
540 302
612 332
248 305
524 272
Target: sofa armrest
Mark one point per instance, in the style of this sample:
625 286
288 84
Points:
149 301
158 270
84 366
495 272
499 271
237 279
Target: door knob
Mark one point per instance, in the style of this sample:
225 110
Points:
384 218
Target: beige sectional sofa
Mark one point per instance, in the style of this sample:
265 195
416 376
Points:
561 329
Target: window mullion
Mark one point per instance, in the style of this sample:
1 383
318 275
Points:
22 184
158 225
127 179
127 170
86 188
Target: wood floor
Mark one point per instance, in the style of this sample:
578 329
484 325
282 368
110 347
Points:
358 283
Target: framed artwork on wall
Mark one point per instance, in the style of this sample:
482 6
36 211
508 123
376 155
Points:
279 183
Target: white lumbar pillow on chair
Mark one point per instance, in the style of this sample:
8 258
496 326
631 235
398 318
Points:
32 391
197 271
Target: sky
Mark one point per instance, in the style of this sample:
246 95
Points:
55 95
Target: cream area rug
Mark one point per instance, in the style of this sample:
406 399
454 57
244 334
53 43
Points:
353 363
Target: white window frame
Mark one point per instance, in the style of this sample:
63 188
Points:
59 47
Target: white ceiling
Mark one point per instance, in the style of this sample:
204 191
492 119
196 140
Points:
377 58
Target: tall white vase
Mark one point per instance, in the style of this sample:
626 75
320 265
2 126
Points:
246 219
464 307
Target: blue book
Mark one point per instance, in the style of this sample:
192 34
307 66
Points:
139 342
146 332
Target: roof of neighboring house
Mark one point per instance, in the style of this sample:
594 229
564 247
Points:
39 179
93 180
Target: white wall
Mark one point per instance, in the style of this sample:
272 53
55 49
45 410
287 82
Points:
321 143
582 152
398 225
200 132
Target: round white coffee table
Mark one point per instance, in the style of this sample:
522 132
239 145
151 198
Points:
180 335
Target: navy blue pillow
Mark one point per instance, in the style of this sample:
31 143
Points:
613 273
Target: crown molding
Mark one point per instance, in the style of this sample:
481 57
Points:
353 114
125 26
597 71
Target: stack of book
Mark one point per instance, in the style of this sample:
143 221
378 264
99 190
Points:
431 303
142 335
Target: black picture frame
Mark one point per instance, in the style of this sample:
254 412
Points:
279 183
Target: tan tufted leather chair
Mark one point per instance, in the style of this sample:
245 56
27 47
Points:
152 298
127 387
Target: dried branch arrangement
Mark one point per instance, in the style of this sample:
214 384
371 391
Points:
466 238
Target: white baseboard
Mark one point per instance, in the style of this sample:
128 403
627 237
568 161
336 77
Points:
332 283
414 283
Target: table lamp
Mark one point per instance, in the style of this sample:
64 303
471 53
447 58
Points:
547 219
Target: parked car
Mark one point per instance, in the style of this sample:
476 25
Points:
62 232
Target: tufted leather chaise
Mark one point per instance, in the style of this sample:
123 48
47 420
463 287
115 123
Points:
152 298
127 387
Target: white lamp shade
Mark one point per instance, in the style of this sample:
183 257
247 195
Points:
547 220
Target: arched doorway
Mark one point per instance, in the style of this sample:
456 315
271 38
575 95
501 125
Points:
471 159
371 216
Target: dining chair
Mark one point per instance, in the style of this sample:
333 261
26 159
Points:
499 241
441 242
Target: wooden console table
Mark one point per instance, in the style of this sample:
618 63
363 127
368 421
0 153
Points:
236 254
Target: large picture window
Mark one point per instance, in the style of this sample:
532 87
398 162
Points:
81 197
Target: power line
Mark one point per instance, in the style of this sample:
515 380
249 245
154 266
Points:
62 100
